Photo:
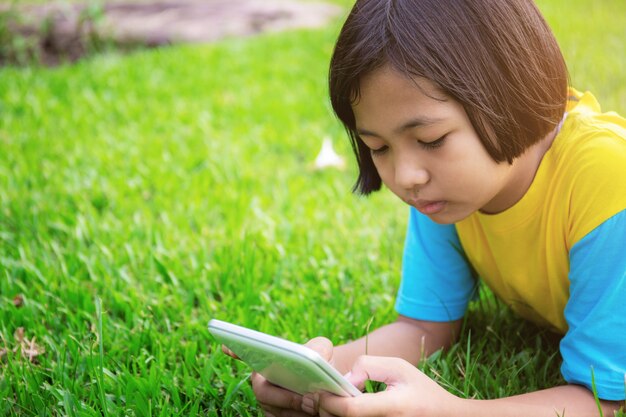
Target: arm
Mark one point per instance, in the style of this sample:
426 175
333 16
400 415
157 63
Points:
405 338
568 400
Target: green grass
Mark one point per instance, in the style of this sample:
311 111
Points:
143 194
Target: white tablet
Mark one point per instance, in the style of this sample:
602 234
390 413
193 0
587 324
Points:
284 363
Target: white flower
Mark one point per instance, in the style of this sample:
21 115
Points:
327 157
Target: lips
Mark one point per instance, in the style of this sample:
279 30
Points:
428 207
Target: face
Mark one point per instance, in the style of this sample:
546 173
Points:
426 150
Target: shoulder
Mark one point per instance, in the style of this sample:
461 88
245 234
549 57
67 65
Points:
591 140
593 154
589 168
587 129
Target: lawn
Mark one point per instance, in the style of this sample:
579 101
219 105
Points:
143 194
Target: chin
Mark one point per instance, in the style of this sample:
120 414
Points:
447 217
442 219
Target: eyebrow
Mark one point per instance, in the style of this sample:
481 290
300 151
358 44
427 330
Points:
411 124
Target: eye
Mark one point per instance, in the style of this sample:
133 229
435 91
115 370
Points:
379 151
434 144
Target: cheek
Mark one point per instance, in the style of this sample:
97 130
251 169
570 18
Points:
386 173
469 174
383 169
469 161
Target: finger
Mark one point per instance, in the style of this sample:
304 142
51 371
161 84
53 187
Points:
270 394
293 413
268 410
334 404
324 413
321 345
391 371
378 368
310 403
366 405
229 352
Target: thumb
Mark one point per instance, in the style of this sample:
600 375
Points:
366 405
323 346
229 352
377 368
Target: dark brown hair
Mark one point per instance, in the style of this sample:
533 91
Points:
498 58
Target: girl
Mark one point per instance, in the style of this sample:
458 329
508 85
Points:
462 109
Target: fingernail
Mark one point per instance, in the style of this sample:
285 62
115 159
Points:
308 403
308 407
348 375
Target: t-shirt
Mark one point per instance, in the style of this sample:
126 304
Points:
557 257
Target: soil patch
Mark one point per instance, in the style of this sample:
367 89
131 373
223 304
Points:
61 31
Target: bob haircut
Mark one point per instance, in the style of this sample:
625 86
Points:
498 58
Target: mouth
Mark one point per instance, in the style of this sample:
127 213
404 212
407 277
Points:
428 207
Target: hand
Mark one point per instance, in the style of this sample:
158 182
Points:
279 402
409 392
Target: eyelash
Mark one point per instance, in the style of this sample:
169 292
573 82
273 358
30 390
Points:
426 145
434 144
379 151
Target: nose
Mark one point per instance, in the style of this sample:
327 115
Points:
409 174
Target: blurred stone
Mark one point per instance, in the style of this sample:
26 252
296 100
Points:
18 300
205 21
67 29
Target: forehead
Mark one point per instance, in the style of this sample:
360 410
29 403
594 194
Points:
387 76
386 96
